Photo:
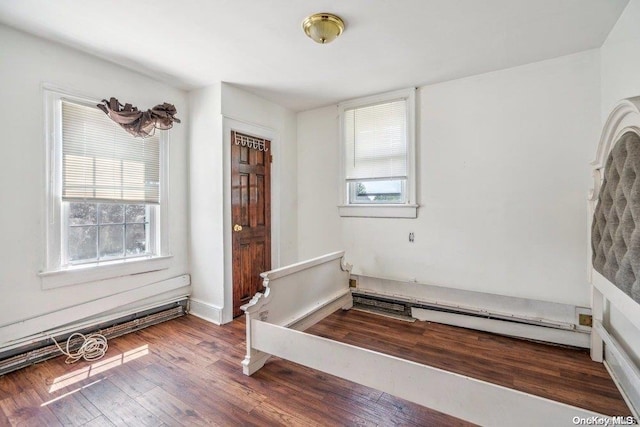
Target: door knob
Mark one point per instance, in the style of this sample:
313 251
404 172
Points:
237 227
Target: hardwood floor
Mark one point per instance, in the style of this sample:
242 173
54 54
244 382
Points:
187 372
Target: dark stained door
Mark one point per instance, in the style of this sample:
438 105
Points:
250 215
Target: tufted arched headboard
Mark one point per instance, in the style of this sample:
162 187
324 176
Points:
615 231
614 210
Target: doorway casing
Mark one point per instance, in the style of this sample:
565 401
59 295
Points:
230 124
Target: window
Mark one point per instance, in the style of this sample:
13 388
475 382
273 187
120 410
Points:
377 139
106 231
104 198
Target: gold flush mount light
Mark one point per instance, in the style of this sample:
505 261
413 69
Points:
323 27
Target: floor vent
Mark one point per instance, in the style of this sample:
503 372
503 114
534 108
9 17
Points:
45 349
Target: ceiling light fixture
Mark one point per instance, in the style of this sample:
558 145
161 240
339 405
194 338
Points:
323 27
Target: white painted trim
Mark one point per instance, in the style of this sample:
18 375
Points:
597 307
205 311
505 307
229 124
469 399
623 302
534 332
37 325
623 371
107 270
379 211
300 266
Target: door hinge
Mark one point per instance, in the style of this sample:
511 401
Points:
270 158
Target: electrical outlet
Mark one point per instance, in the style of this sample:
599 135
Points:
353 283
585 320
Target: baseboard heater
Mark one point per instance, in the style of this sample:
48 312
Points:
30 354
532 329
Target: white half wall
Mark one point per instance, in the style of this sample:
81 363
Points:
27 63
620 71
502 167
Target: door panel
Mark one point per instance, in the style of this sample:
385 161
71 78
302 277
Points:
250 215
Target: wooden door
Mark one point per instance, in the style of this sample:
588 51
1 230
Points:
250 215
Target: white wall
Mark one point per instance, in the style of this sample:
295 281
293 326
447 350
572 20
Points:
502 170
620 71
206 214
28 62
213 110
319 227
245 107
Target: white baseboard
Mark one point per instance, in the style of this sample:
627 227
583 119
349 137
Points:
521 330
205 311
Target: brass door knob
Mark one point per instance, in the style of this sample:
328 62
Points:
237 227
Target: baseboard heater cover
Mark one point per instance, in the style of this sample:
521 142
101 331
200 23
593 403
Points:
549 332
30 354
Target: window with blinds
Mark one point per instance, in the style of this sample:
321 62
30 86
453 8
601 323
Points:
102 163
106 195
377 144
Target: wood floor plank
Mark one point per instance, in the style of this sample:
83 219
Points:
128 379
100 421
190 388
419 415
25 408
270 414
74 409
117 406
172 410
4 420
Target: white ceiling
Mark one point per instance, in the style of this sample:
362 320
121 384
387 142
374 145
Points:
259 45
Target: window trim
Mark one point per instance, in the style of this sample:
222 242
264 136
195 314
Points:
53 273
408 209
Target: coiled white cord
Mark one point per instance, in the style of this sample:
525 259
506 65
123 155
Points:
94 347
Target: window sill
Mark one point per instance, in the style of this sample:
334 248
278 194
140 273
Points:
379 211
107 270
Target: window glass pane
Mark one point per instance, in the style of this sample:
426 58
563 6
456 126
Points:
111 241
136 213
82 243
389 191
136 240
82 213
111 214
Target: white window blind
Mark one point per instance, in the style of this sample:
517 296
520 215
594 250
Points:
102 162
376 141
